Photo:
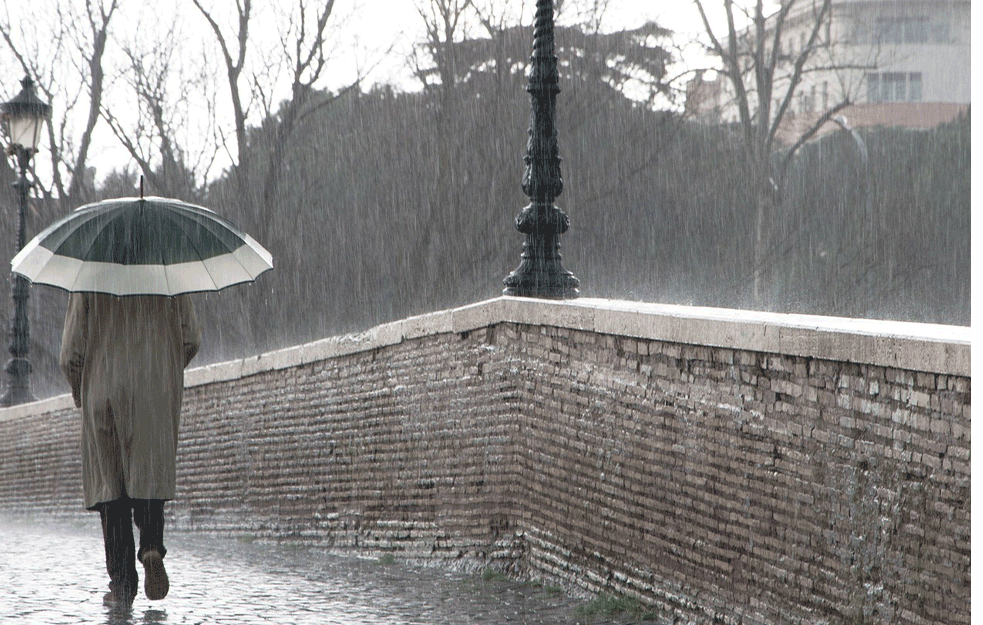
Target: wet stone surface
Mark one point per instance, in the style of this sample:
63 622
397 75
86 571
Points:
55 575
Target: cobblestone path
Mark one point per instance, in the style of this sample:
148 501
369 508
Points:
56 576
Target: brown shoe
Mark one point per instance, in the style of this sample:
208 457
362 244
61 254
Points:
155 582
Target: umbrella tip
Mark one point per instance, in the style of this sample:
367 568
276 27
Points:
141 186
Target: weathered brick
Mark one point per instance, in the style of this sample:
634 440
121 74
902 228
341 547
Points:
690 463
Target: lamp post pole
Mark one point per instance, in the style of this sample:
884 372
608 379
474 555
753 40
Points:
540 273
24 117
19 367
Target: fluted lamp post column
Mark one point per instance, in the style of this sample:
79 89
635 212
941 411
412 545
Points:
23 119
540 273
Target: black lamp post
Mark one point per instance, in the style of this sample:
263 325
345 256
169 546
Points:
23 117
540 273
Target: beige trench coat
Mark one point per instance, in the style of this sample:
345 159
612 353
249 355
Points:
124 358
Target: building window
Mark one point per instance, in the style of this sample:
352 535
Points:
873 88
915 87
939 32
894 87
900 30
909 30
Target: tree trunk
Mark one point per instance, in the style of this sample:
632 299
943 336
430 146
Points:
765 204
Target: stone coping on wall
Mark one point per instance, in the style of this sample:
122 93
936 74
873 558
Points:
904 345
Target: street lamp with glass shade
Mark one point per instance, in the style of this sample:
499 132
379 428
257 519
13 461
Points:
23 120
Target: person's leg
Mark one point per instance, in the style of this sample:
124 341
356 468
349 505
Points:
117 533
148 514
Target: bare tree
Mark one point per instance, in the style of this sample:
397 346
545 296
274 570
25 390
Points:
445 21
97 17
255 72
235 61
276 76
764 79
173 152
436 64
303 43
77 38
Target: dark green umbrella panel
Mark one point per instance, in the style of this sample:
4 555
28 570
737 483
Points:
142 246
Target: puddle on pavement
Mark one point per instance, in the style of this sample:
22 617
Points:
56 575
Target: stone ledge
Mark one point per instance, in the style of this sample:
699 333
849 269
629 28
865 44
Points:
905 345
914 346
44 406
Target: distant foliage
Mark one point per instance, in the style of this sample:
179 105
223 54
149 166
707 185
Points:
891 241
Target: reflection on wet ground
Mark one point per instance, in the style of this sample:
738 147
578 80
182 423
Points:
56 576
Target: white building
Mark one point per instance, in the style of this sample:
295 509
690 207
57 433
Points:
900 62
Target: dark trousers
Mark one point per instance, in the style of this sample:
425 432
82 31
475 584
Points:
117 533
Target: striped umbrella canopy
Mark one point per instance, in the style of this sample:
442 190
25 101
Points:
142 246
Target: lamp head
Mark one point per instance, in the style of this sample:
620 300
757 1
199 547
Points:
24 117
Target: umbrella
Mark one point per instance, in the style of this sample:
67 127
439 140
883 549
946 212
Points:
142 246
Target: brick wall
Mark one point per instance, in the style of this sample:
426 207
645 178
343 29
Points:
725 466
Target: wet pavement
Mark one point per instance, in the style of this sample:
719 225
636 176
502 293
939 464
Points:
55 575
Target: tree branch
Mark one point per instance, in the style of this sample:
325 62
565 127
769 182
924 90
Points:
808 134
800 62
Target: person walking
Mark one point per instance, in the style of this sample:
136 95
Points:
124 358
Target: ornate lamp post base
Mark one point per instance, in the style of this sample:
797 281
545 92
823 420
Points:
19 389
540 273
19 367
